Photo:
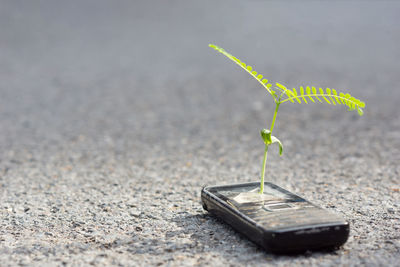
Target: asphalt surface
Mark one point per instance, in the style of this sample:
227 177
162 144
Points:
113 115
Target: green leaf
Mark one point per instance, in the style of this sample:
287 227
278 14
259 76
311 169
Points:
247 68
302 94
281 86
269 140
335 95
290 95
295 95
283 89
328 92
342 98
276 140
330 95
321 91
347 99
308 92
360 111
266 136
314 90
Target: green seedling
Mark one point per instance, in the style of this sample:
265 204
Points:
281 94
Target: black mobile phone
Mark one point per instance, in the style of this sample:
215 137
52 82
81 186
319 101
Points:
277 220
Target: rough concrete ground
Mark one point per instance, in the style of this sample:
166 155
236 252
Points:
113 115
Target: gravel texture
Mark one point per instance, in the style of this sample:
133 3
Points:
113 115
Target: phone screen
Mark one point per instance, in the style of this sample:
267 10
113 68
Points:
275 208
249 194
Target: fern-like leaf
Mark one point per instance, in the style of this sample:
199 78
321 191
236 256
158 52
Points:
329 95
249 69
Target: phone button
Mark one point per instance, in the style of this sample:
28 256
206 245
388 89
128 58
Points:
278 206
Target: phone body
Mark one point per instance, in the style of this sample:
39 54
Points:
277 220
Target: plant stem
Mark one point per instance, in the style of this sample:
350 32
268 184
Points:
266 149
273 119
263 170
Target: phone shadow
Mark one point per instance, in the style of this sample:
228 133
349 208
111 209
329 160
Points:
208 234
204 236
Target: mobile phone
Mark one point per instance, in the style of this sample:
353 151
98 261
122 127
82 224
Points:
277 220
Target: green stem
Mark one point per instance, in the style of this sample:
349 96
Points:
266 148
273 119
263 170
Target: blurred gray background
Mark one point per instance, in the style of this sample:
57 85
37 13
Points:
114 114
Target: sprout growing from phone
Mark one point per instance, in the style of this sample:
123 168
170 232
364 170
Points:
281 94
